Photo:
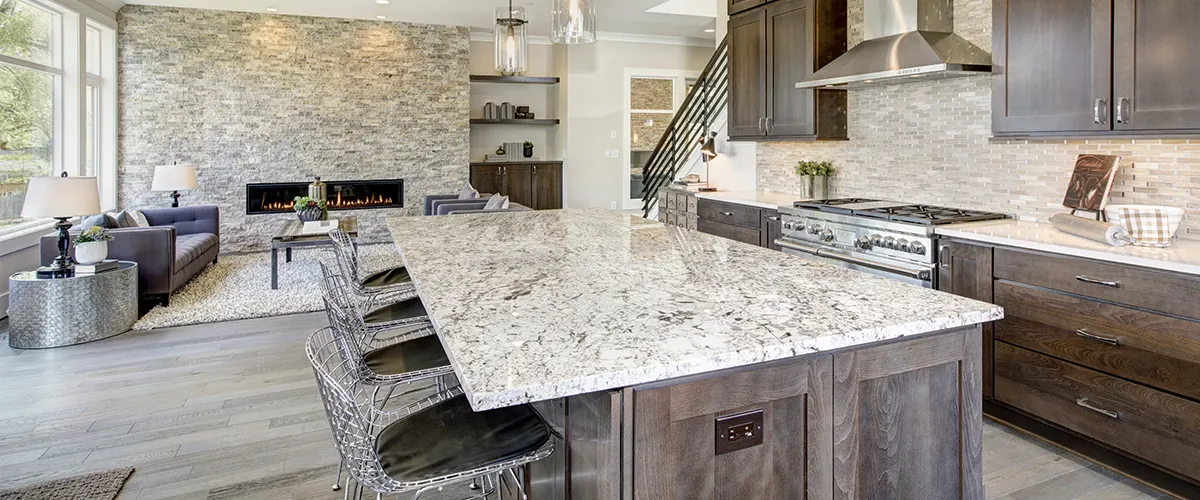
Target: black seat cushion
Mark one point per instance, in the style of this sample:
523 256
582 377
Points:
393 276
449 438
405 309
409 356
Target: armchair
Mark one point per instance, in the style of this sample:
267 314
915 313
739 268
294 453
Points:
459 207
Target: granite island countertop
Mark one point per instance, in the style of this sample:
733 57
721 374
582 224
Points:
540 305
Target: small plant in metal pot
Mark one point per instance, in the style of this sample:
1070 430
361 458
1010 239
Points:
308 209
91 246
814 178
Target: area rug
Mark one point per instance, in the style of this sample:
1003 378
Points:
96 486
239 287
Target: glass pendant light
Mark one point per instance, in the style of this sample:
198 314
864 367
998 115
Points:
574 21
512 50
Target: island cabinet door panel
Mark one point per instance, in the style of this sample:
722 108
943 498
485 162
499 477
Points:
676 428
1154 65
1051 66
518 184
748 74
966 270
487 179
908 419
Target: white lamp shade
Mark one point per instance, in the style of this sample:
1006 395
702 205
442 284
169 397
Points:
61 197
174 178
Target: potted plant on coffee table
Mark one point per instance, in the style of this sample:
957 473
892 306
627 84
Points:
814 178
91 246
308 209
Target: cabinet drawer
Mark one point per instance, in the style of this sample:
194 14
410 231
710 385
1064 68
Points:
1159 427
691 204
1142 288
737 233
729 213
691 222
1156 350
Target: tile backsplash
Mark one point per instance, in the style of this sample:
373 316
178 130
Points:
930 142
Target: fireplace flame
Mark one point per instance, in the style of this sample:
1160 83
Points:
336 203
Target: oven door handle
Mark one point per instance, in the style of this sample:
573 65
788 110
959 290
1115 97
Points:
914 273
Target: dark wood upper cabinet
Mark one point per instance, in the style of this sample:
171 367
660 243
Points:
771 48
1095 67
1051 66
736 6
747 74
1155 70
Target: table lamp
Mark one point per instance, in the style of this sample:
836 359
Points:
61 198
174 178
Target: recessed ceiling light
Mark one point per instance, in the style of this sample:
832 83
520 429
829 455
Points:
710 30
383 2
380 17
272 9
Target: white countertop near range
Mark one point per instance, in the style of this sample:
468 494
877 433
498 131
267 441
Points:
1183 256
539 305
761 199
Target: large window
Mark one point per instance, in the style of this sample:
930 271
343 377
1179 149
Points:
57 97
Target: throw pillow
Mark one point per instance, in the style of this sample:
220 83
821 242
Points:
496 202
467 192
140 218
114 222
98 220
125 219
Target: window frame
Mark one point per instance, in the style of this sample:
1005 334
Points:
72 84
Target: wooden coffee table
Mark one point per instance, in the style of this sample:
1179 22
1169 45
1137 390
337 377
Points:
289 237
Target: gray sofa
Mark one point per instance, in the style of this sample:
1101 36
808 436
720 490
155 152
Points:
179 243
450 204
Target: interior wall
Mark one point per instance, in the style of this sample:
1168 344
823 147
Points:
271 98
596 99
931 142
541 99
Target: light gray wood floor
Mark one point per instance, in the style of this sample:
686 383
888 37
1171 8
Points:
230 410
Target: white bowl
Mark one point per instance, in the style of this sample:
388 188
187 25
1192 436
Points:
1174 215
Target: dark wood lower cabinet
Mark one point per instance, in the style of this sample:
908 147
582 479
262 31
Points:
736 233
770 229
965 269
535 185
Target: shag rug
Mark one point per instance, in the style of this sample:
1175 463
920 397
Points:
96 486
239 287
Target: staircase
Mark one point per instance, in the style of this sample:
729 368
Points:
680 144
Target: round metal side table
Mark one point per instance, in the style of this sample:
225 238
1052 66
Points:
57 312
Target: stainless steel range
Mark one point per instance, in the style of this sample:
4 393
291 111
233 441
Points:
886 238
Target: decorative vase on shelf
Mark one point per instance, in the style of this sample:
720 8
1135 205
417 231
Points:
527 150
91 252
309 214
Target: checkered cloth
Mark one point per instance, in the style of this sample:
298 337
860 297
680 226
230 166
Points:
1147 227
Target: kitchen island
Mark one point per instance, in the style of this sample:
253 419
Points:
677 364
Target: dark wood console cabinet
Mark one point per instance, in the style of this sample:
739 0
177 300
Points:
537 185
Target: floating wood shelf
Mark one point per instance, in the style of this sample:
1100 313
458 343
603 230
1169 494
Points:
539 121
534 80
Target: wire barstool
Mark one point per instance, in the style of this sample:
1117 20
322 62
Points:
375 286
449 442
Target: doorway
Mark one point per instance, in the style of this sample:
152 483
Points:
651 99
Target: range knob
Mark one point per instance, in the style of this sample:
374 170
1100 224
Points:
787 224
863 242
876 240
916 247
902 245
814 228
889 242
827 235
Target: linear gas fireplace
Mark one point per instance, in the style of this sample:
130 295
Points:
276 197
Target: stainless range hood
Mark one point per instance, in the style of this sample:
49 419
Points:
907 40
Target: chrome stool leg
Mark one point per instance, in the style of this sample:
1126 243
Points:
337 482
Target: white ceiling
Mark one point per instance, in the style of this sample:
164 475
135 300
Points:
613 16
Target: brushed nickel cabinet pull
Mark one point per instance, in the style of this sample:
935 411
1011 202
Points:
1100 112
1085 279
943 257
1088 335
772 217
1086 403
727 214
1122 110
